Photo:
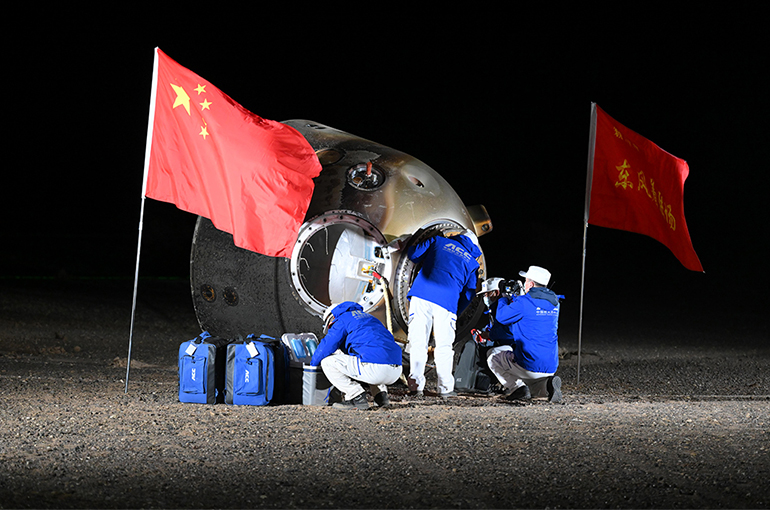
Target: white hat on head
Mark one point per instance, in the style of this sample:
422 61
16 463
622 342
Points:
537 274
327 318
489 285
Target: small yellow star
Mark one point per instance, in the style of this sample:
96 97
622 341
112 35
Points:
205 105
181 98
204 133
201 88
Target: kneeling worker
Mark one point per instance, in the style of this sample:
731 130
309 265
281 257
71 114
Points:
526 368
357 348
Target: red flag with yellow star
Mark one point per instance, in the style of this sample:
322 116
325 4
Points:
635 185
210 156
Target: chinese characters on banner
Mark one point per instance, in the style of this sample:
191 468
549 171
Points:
210 156
636 186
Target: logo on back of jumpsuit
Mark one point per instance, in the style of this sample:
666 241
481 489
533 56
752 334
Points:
458 251
540 311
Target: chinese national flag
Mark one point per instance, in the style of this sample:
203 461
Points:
210 156
635 185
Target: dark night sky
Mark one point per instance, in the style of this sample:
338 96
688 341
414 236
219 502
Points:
497 104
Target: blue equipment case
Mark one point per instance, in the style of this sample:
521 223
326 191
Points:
257 372
202 369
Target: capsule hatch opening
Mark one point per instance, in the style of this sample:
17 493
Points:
334 261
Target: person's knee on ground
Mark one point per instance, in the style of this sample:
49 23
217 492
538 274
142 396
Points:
519 391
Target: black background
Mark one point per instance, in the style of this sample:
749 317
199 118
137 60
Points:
495 100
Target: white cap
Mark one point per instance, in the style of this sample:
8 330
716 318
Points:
489 285
327 317
537 274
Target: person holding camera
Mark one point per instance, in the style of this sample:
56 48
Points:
527 365
495 334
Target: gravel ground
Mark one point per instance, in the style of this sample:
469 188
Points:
666 417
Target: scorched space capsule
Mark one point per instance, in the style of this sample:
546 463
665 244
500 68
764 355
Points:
366 196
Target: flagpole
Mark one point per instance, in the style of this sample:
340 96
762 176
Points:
582 286
148 147
589 180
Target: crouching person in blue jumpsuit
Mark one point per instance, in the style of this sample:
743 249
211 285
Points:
357 349
526 368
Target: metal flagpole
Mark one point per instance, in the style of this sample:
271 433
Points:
148 147
582 286
589 179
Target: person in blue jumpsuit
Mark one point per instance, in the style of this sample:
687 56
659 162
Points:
357 348
526 367
494 332
444 286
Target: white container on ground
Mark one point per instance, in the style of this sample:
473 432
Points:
316 388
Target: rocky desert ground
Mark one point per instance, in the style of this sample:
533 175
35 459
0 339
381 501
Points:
674 415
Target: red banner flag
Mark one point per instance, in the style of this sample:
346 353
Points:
210 156
635 185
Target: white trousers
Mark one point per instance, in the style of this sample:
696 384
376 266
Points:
425 316
346 372
512 376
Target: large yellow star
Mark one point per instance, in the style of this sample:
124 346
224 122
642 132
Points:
181 98
205 105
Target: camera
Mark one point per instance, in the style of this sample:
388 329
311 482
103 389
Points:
511 288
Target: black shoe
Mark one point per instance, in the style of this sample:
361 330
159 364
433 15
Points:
358 403
381 399
418 394
554 389
520 393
